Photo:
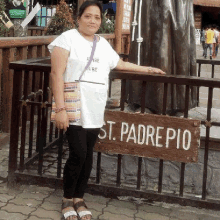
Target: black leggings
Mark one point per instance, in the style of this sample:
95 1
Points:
79 164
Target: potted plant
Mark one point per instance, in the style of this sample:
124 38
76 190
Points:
108 25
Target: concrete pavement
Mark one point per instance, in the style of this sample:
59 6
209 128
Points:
28 202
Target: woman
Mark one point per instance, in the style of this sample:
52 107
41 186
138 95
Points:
77 44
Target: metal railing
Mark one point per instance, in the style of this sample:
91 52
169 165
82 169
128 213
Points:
32 164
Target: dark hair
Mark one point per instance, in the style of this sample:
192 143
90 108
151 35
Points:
86 4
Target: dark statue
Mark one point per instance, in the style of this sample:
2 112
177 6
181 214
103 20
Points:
168 32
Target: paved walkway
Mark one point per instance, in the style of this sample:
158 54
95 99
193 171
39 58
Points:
42 203
28 202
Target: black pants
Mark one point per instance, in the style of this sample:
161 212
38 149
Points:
79 164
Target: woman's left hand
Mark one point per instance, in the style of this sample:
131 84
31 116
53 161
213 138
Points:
154 70
136 68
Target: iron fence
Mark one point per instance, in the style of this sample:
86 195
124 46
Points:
27 161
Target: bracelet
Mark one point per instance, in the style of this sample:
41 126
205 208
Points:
60 109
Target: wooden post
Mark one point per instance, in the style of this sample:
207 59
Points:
14 129
8 56
122 23
118 25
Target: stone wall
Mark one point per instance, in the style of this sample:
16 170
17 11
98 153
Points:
171 175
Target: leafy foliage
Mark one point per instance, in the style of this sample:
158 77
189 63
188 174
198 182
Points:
62 20
3 29
108 26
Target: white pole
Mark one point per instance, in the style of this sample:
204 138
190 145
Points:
139 39
134 23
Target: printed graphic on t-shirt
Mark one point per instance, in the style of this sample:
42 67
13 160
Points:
95 60
93 67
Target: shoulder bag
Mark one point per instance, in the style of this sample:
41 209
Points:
72 98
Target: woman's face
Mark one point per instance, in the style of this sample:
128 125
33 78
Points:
90 20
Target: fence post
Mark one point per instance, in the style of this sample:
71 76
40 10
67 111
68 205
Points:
8 56
14 131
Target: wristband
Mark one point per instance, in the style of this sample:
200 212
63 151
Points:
60 109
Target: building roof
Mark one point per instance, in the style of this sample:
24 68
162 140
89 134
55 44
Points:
210 3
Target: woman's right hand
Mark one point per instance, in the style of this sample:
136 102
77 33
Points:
62 120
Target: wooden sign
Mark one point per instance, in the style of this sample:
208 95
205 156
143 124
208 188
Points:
122 22
126 19
198 19
148 135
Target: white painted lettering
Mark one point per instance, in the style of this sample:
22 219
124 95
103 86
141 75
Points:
124 129
158 137
169 137
150 134
104 131
141 130
132 132
188 133
178 139
110 128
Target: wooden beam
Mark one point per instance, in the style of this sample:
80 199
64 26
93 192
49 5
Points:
118 26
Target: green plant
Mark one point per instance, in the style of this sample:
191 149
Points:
62 20
3 29
108 26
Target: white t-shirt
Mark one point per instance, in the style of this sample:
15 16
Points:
93 96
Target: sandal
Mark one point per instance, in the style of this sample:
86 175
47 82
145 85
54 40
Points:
81 214
68 204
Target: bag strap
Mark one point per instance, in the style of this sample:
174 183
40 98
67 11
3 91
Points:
91 56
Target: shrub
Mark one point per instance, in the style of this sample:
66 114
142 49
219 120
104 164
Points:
3 29
108 26
62 20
